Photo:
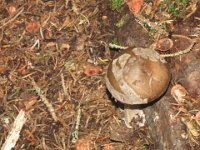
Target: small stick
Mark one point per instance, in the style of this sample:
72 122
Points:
45 100
75 133
117 46
142 20
14 133
12 19
181 52
64 86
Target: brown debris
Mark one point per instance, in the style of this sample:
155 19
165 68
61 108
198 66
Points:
33 26
52 42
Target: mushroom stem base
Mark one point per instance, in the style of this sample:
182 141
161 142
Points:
130 113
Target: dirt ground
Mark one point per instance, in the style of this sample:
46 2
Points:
53 60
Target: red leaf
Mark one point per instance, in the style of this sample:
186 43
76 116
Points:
92 70
33 26
84 144
135 6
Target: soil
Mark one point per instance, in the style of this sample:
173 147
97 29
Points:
62 47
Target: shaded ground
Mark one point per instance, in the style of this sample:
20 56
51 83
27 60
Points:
54 43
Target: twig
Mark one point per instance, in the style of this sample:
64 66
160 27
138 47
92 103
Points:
37 43
74 8
78 119
117 46
66 3
14 133
64 86
45 100
142 20
181 52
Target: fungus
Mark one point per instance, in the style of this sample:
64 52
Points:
137 76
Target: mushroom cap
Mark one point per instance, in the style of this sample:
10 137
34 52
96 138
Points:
137 76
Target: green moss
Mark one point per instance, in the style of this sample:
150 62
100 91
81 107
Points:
117 4
175 7
115 41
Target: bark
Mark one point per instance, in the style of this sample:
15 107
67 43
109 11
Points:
166 131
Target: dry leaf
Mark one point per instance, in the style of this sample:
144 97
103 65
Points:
2 68
23 70
11 10
67 23
84 144
30 102
80 42
33 26
64 46
92 70
135 6
108 147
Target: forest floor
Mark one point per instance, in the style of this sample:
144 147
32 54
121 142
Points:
53 60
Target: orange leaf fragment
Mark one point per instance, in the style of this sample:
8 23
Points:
33 26
30 137
2 68
134 6
92 70
84 144
11 10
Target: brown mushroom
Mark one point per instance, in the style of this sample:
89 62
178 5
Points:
137 76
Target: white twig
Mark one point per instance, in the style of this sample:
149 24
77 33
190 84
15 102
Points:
64 86
117 46
75 133
181 52
178 53
66 3
14 133
37 43
45 100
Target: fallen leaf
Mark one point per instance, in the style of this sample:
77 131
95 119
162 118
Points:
108 147
80 42
64 46
29 103
11 10
33 26
67 23
92 70
23 70
134 6
2 68
84 144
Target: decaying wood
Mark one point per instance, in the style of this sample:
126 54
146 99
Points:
165 128
15 132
